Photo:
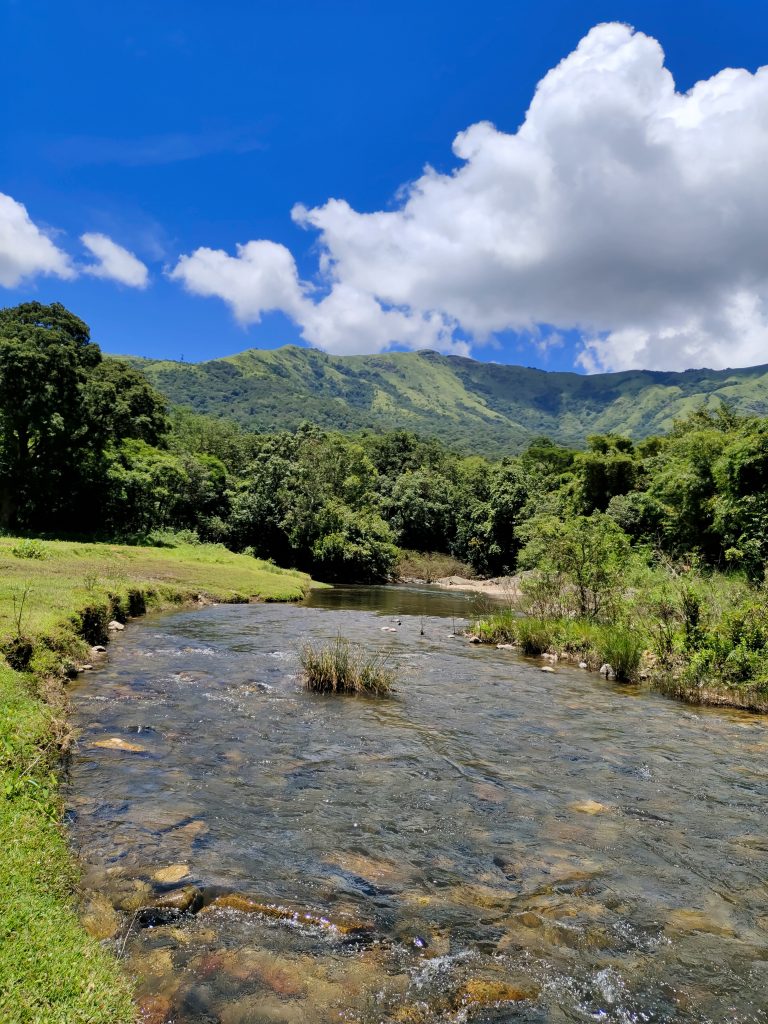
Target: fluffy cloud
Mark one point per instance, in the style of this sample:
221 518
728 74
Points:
621 208
25 250
262 277
114 262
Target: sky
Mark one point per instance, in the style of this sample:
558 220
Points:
576 186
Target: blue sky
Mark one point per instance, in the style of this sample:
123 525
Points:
173 126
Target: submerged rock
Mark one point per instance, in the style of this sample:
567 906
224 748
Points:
154 1009
171 906
686 919
291 915
117 743
489 992
588 807
172 874
99 918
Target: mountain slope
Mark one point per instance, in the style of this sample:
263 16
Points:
478 406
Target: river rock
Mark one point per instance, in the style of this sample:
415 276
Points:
588 807
118 743
607 671
583 664
154 1009
132 895
171 906
546 668
686 919
99 917
489 992
291 915
98 649
172 874
115 626
505 647
266 1009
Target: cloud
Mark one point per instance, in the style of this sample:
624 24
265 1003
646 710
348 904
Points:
147 150
620 208
114 262
262 277
25 250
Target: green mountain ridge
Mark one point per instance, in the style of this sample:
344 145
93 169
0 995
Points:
472 405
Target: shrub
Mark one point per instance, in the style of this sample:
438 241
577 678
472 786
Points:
29 549
336 668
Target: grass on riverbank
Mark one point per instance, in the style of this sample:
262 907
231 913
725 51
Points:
700 637
53 604
338 668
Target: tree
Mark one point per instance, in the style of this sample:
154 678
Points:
47 429
581 564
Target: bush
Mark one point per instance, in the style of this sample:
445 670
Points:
29 549
430 566
336 668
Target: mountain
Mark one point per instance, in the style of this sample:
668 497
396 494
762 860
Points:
476 406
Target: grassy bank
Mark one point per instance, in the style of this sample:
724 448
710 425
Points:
699 637
56 599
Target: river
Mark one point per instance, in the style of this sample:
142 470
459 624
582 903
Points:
495 843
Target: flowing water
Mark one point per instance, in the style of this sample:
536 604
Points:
495 843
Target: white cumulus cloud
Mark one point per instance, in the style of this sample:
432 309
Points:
622 208
25 250
114 262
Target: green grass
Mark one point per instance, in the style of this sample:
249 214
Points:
52 605
338 668
573 639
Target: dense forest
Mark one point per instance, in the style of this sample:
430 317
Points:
88 448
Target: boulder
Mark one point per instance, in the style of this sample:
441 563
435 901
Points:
115 626
607 671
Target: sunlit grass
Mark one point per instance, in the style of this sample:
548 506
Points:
338 668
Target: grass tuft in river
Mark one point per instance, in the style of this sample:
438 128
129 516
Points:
338 668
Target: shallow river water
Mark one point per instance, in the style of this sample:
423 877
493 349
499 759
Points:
495 843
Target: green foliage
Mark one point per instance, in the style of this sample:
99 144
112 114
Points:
28 548
338 668
582 565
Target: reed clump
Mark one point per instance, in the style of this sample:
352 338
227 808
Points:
337 667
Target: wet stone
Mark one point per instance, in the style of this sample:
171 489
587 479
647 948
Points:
99 918
155 1009
171 874
118 743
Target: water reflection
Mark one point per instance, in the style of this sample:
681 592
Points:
514 845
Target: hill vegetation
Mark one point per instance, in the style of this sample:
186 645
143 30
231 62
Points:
481 407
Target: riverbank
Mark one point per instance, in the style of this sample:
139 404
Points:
712 667
57 600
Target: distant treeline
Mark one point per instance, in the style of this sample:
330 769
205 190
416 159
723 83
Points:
89 448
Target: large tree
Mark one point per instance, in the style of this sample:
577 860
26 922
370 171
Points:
45 357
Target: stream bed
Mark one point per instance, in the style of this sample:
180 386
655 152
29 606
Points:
495 843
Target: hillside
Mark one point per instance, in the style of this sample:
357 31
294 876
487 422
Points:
472 405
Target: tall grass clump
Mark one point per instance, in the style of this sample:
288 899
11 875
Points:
621 648
337 668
